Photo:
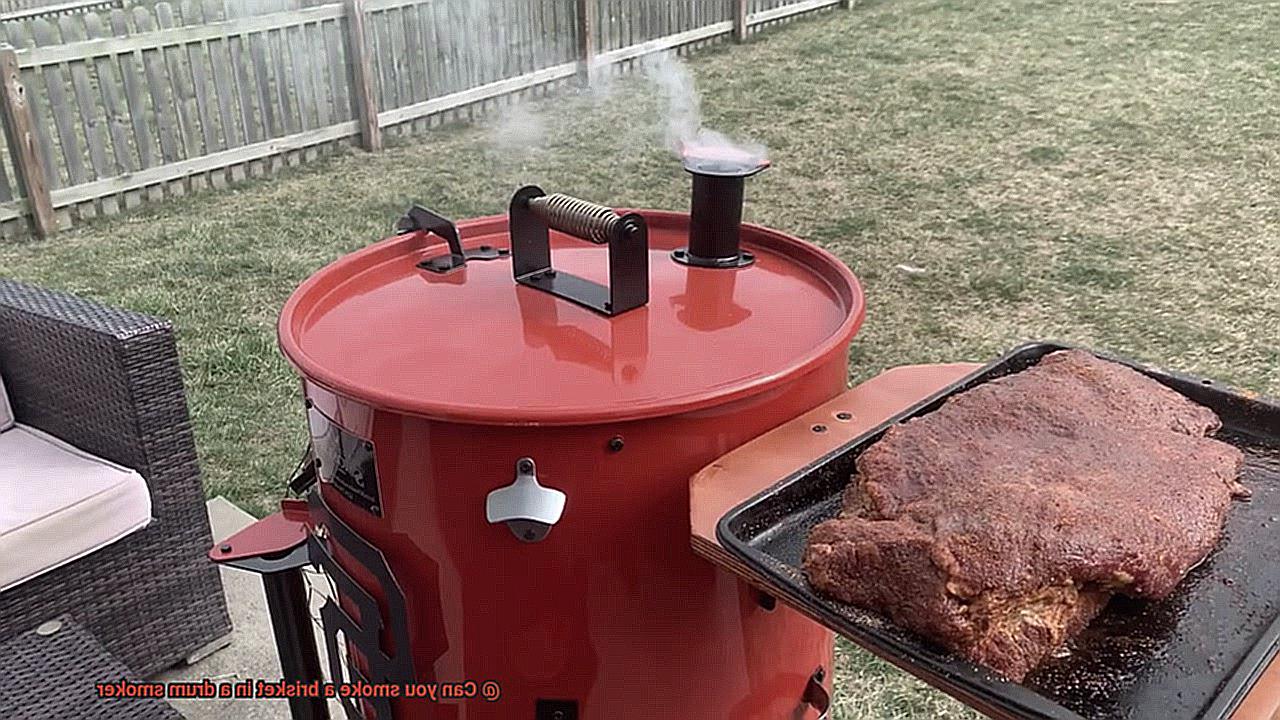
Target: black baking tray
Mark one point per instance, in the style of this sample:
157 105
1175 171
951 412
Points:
1194 654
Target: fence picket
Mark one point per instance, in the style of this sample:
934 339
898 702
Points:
495 48
552 33
262 84
627 31
320 87
133 92
338 95
240 60
95 134
153 70
180 81
55 83
616 39
424 50
401 68
197 59
223 89
300 73
382 53
522 12
442 40
6 189
441 16
472 53
276 43
112 100
421 51
512 39
538 33
562 21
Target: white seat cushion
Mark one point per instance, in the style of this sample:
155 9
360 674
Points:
6 413
58 503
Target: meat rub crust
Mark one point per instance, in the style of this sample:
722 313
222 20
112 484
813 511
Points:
1000 524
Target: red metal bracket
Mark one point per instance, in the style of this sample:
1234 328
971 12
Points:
272 536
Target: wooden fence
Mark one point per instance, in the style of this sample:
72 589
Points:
18 9
105 110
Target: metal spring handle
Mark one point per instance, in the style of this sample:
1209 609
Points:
579 218
534 214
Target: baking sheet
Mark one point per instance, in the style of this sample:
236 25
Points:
1194 654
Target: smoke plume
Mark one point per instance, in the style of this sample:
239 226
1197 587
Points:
666 86
685 132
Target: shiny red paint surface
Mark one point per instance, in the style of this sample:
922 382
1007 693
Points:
273 534
472 346
612 610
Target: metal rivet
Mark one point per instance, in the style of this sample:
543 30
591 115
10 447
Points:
49 628
375 510
844 416
225 548
309 403
318 463
525 465
819 428
616 443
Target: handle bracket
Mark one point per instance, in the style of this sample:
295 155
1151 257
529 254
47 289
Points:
419 218
628 241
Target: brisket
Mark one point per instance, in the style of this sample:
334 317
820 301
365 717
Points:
1000 524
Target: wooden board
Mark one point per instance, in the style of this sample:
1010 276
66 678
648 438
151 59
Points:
745 472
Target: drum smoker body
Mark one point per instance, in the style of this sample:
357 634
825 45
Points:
610 615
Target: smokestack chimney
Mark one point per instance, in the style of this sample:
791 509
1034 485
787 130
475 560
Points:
719 180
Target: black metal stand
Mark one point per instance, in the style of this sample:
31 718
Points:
287 605
295 640
278 547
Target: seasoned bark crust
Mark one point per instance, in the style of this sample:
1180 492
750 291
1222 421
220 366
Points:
1000 524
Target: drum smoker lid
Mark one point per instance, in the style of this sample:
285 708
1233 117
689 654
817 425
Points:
472 345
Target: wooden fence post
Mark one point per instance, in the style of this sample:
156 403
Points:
587 22
740 20
362 77
20 128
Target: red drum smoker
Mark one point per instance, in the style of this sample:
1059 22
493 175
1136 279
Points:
505 415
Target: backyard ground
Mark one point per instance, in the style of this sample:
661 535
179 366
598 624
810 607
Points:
1105 173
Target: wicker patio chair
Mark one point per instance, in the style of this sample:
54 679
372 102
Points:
108 382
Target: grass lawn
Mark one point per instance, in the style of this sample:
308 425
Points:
1105 173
